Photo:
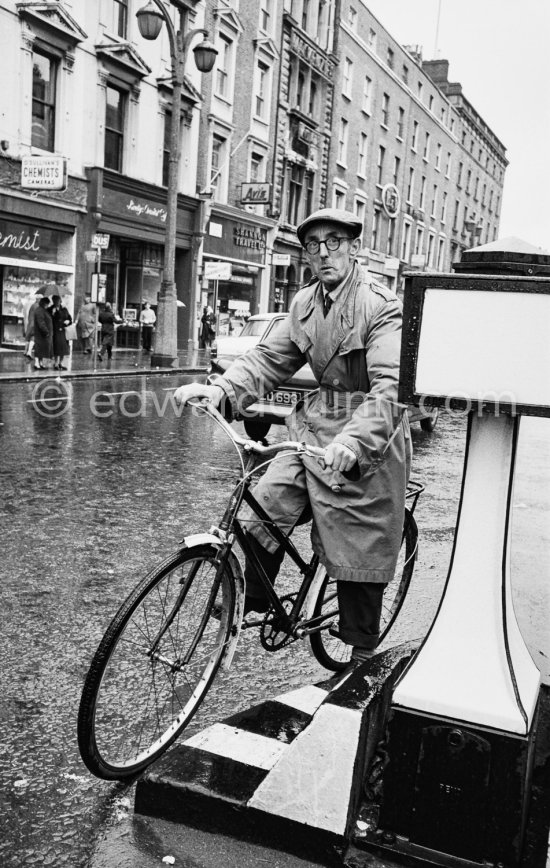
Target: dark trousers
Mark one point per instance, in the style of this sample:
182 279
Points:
360 603
146 336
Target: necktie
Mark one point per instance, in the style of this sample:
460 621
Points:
327 303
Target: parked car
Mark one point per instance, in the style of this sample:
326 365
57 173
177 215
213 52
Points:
277 405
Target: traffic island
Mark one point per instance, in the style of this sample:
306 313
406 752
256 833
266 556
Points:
288 773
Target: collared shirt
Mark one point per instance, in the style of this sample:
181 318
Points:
340 288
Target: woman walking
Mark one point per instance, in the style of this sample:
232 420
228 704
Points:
43 332
60 318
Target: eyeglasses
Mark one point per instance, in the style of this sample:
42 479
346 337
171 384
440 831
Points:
331 243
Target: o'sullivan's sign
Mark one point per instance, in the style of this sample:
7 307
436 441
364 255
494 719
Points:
44 173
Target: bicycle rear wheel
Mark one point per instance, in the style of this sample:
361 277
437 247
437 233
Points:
155 663
330 651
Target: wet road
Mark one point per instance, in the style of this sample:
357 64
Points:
99 484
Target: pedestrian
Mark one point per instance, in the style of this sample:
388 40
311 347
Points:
208 332
86 324
60 319
147 319
43 333
108 320
348 328
28 320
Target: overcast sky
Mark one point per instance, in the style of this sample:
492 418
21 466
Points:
499 50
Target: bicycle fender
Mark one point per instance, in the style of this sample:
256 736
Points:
313 593
201 539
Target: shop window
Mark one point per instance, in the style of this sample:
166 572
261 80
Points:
44 74
114 128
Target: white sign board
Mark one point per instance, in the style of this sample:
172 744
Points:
496 347
217 270
100 240
281 259
44 173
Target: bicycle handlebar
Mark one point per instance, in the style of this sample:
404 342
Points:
252 445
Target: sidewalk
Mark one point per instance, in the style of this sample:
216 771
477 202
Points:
16 367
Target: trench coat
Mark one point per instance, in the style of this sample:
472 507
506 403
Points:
354 354
43 332
60 318
85 320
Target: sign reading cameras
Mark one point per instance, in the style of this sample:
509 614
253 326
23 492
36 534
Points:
44 173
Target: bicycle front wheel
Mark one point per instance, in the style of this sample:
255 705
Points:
155 663
330 651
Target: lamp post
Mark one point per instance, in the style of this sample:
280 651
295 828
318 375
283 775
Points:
150 19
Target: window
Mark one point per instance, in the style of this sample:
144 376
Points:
217 164
440 254
367 95
114 128
44 74
401 123
342 141
438 156
420 89
362 157
406 242
223 65
166 147
380 164
390 237
119 20
422 198
266 10
348 76
375 230
457 212
484 195
396 168
426 155
476 188
414 140
312 99
360 208
300 194
410 186
452 125
444 208
371 39
257 167
405 74
352 18
339 198
419 244
459 178
434 201
305 14
385 109
430 250
468 179
448 165
431 103
262 92
390 57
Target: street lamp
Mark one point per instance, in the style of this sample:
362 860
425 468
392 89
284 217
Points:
150 19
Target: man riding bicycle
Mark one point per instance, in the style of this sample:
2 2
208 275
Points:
348 328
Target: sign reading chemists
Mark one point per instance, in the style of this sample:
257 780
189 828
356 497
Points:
44 173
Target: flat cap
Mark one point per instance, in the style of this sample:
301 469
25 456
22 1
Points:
352 222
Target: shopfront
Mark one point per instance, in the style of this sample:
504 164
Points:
33 257
234 267
133 214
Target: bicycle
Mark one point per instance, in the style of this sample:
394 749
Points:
181 623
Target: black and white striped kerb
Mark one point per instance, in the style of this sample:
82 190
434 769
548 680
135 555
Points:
293 758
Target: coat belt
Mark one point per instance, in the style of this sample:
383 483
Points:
341 400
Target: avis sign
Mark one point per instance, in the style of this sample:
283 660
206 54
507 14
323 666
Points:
255 193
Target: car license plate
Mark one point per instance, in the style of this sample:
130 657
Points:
283 396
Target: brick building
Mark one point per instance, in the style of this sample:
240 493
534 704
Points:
410 154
